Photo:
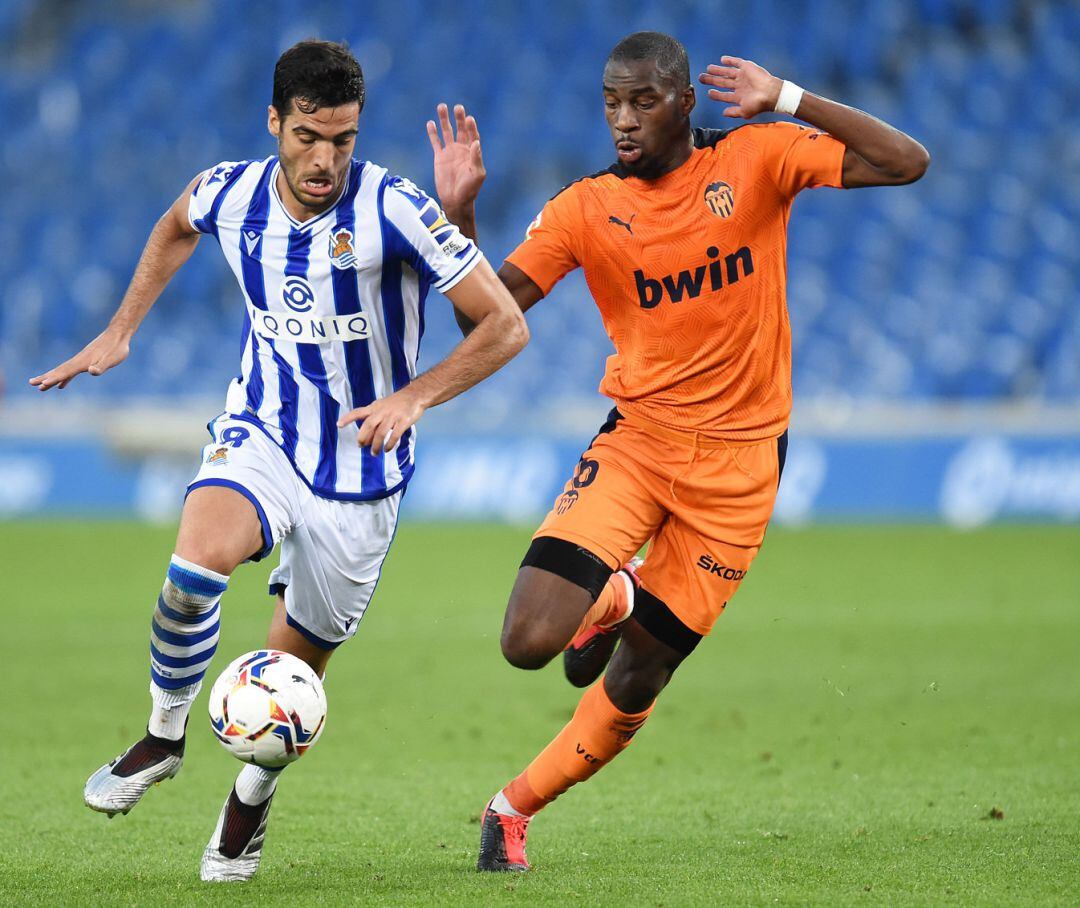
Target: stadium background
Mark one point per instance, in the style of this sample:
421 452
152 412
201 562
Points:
887 713
936 331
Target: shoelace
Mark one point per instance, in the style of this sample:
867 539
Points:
515 827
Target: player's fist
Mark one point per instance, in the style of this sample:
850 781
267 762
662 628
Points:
747 88
108 349
459 162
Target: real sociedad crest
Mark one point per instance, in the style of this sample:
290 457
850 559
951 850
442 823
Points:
342 254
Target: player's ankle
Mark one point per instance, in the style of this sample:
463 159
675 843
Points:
168 724
520 797
256 784
171 745
501 804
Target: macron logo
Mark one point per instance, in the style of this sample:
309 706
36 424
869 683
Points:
251 241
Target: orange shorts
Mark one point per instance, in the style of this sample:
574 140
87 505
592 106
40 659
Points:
704 503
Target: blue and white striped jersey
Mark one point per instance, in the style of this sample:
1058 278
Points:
335 310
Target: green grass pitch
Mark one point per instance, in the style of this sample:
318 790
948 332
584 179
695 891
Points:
884 716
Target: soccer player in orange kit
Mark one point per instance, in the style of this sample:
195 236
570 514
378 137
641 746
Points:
683 244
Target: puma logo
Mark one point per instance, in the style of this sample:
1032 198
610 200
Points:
614 220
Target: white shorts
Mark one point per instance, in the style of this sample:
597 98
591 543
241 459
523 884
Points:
332 552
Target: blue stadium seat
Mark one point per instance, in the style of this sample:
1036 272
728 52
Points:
962 286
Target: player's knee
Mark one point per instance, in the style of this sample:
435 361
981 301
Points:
209 550
206 555
527 648
219 529
543 612
529 639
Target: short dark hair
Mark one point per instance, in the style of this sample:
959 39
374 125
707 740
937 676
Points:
314 74
670 57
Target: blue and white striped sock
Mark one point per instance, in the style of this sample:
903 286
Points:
183 638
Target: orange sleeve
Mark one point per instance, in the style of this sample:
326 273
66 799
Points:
550 248
799 157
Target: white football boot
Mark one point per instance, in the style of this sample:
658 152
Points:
118 785
233 852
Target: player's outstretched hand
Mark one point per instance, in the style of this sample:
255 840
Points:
108 349
383 422
749 89
459 163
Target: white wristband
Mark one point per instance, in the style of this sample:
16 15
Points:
789 99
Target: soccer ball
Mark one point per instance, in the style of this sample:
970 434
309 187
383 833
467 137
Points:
267 707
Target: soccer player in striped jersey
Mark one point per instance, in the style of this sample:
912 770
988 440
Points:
334 257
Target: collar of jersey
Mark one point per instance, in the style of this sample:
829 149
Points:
672 178
304 225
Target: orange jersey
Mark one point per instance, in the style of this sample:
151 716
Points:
689 272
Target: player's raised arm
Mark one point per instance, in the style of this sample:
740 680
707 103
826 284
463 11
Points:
459 166
459 174
499 334
877 154
171 243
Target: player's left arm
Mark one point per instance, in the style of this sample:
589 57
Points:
459 166
499 334
877 154
459 174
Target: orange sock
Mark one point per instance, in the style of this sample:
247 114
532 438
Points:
610 605
596 734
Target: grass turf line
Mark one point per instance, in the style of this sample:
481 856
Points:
870 698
